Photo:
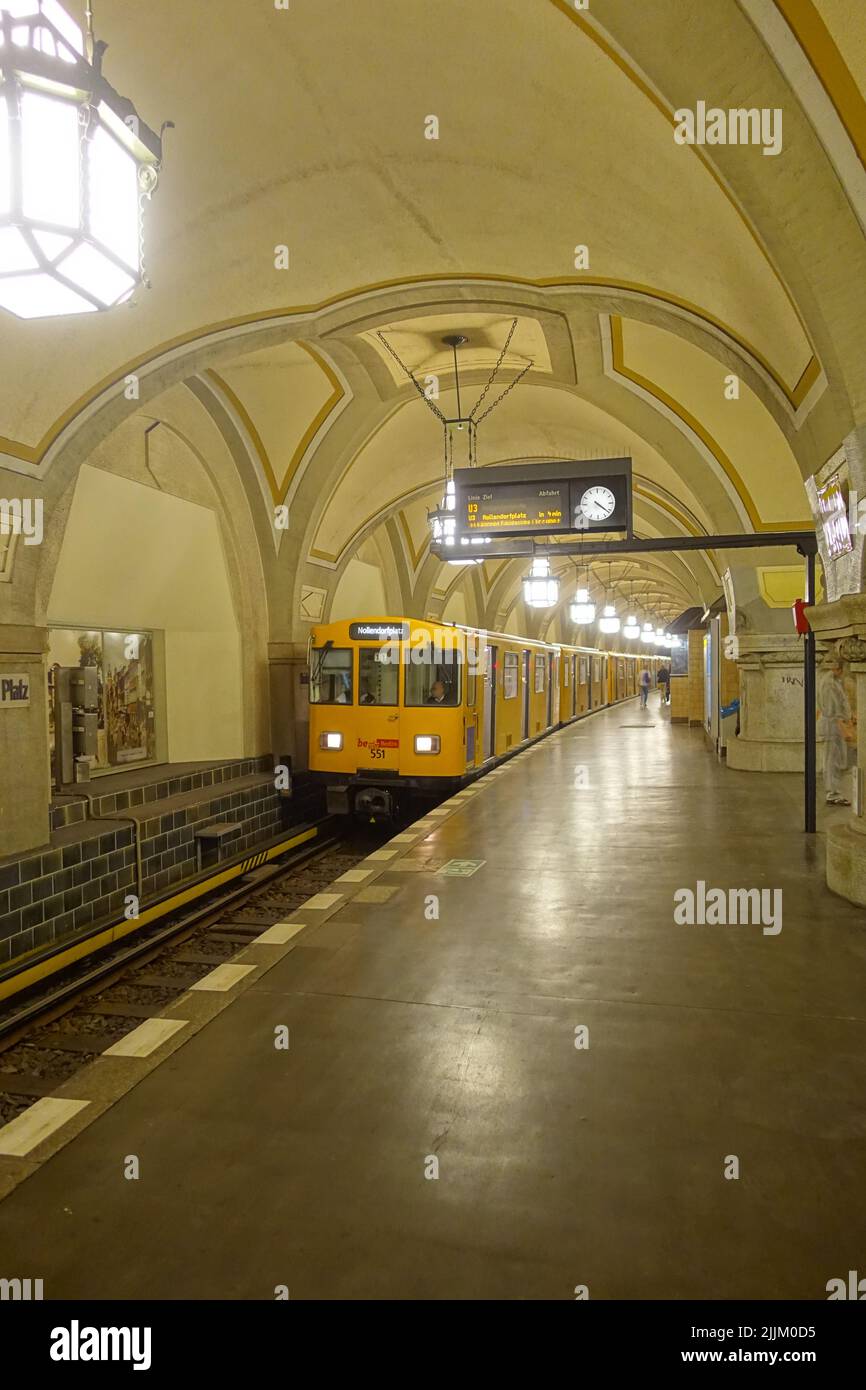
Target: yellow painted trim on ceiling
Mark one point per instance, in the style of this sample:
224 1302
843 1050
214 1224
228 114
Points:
566 8
414 555
816 41
256 439
278 491
617 357
780 585
488 581
30 453
379 515
687 524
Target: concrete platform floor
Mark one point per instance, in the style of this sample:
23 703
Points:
454 1038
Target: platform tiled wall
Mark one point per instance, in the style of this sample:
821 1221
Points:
54 893
168 845
60 891
105 802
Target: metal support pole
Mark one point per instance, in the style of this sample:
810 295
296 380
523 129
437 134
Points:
810 780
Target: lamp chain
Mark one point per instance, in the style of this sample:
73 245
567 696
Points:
143 197
414 380
510 387
499 362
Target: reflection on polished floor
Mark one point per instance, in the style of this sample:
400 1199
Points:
417 1037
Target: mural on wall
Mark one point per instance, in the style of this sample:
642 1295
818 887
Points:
126 731
128 697
837 724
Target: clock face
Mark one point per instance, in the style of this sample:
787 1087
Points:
597 503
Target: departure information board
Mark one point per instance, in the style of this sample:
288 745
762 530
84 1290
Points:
518 507
544 498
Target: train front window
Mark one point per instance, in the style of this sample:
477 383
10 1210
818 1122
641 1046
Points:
378 675
432 677
331 676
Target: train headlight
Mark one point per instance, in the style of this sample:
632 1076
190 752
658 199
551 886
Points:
331 741
427 743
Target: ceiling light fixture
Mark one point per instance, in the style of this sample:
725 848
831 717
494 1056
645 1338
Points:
540 587
608 623
582 611
76 166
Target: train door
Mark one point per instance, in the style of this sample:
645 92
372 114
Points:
470 701
526 674
552 686
490 664
378 737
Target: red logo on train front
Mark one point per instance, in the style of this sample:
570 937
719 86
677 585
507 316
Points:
378 743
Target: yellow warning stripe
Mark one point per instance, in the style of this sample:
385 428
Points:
78 950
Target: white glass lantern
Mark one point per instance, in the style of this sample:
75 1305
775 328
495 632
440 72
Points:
540 587
631 628
608 622
582 611
647 635
75 165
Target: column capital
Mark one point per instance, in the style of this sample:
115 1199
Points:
17 640
844 617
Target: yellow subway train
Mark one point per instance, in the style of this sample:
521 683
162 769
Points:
402 709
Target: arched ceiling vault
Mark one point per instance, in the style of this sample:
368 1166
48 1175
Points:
701 265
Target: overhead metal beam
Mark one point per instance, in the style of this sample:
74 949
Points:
804 541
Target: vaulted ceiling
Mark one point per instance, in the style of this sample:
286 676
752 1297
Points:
307 128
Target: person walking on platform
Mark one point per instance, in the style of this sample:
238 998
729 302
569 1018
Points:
663 680
645 683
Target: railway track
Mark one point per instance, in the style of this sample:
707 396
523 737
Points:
64 1026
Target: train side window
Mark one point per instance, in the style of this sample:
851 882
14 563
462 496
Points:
540 672
510 675
331 676
378 675
433 677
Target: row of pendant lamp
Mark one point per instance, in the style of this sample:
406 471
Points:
541 590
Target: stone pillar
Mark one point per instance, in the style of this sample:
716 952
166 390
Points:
679 699
696 676
841 627
771 704
25 773
289 690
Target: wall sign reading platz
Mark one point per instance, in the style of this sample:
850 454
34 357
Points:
379 632
517 499
14 691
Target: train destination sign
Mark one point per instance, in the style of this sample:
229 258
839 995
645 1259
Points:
544 498
378 632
